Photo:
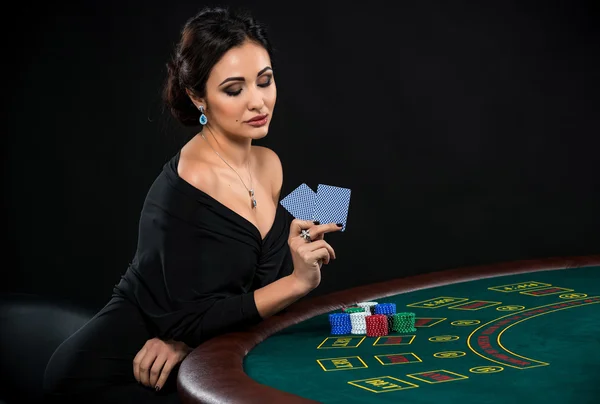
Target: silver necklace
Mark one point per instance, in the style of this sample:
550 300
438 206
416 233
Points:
251 190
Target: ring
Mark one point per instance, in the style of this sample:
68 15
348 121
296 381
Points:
306 235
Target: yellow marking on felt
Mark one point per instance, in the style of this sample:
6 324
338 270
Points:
510 308
514 287
383 384
449 354
437 302
342 363
398 363
490 304
395 336
483 370
573 296
444 338
464 323
440 319
529 293
442 371
517 322
341 342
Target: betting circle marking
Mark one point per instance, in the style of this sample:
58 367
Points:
482 370
443 338
573 295
449 354
460 323
510 308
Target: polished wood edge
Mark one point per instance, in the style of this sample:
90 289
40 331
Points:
213 372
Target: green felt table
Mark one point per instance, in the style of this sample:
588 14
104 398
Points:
524 337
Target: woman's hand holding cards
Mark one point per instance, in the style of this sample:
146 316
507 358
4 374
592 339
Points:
310 250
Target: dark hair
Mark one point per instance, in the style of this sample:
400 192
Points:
205 38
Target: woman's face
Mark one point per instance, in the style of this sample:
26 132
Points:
241 92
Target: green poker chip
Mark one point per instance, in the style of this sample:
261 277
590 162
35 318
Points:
403 322
354 310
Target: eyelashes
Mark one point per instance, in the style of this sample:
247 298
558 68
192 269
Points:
236 93
233 93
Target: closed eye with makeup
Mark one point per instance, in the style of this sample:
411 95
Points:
264 79
241 92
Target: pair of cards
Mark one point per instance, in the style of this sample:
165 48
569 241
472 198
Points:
328 205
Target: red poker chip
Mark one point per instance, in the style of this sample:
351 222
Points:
377 325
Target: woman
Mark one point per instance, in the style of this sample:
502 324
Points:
216 251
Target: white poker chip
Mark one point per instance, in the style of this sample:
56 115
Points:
368 306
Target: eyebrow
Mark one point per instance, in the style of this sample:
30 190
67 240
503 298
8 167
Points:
242 79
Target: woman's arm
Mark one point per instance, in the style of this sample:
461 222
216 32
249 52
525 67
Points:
276 296
247 309
279 294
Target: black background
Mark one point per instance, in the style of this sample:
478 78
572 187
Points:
467 132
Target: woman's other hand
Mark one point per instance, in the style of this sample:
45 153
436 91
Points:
154 362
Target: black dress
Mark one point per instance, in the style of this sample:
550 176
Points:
193 276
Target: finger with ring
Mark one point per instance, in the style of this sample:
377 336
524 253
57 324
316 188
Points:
306 235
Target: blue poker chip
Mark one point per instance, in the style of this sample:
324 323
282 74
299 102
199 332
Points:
340 323
385 308
340 330
339 318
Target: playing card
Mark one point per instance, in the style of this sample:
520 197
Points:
331 205
300 202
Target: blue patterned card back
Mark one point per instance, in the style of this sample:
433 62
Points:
331 205
300 202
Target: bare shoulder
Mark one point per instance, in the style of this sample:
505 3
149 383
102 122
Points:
270 164
196 172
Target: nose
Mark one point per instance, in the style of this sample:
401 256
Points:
256 101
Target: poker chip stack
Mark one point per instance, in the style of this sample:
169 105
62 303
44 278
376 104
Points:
385 308
403 322
377 325
368 306
358 322
340 323
373 319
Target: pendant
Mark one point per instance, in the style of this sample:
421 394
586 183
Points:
253 199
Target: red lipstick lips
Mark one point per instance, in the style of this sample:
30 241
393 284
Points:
258 120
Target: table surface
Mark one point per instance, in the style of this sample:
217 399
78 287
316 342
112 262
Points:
536 334
531 340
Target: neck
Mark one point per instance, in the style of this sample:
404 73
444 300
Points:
235 150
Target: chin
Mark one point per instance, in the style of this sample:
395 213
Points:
258 133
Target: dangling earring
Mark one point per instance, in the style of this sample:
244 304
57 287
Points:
203 119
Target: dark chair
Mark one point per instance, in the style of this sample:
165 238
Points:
31 328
